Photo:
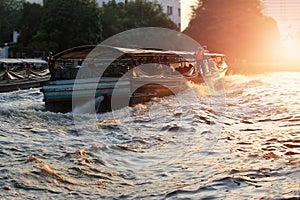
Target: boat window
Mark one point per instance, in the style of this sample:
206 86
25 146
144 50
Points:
212 65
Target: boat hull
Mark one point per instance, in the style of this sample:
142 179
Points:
21 85
66 95
145 88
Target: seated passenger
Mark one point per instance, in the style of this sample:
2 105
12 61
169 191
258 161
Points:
78 66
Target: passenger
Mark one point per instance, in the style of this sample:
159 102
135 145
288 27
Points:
190 70
186 68
79 64
212 65
51 65
27 70
202 62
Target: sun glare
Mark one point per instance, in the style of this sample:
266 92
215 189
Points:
289 46
287 15
186 12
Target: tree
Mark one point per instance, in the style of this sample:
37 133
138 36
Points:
236 27
118 17
30 22
68 23
10 11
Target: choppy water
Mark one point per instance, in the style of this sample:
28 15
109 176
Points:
172 148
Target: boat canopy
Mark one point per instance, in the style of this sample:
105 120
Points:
31 60
79 52
19 60
214 54
103 51
9 61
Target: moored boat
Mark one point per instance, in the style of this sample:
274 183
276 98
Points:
17 73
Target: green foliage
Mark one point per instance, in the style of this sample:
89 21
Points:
57 25
9 18
118 17
39 41
69 23
236 27
31 15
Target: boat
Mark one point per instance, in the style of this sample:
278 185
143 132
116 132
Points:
17 73
115 77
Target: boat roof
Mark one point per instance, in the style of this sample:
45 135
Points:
82 52
214 54
21 60
9 60
32 60
110 52
79 52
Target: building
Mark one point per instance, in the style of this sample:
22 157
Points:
171 7
36 1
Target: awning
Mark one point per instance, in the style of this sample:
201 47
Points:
19 60
109 52
214 54
31 60
9 61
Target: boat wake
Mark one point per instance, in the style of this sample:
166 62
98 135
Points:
88 107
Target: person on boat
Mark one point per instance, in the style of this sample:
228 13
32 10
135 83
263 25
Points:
27 70
202 61
51 64
79 64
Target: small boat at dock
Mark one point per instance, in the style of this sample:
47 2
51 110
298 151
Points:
17 73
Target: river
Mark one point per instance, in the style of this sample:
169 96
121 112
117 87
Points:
176 147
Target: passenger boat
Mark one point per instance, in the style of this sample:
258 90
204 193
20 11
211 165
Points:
117 77
18 73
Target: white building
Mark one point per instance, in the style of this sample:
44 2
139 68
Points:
171 7
36 1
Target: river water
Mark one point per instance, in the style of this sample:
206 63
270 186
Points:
176 147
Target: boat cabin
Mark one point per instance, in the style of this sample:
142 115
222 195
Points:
109 61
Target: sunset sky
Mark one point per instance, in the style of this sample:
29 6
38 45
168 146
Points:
285 12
